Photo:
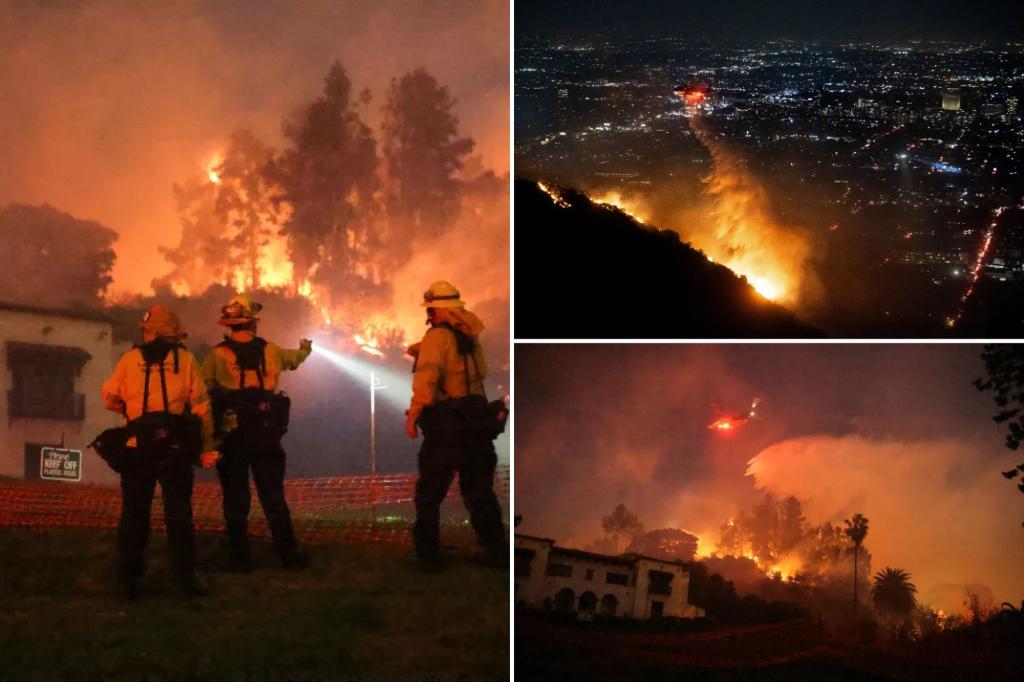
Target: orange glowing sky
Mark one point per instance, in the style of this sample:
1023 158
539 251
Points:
107 104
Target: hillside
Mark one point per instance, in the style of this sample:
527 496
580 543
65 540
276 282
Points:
585 270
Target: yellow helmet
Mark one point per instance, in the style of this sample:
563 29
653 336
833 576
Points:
239 310
442 294
160 321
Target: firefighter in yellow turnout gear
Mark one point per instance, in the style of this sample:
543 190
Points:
159 389
449 405
242 373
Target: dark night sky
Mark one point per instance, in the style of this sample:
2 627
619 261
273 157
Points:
995 20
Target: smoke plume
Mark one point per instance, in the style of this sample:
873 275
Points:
933 506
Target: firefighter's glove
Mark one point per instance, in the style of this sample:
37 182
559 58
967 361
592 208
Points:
209 458
410 425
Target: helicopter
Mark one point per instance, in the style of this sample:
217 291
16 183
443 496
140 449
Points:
692 93
727 422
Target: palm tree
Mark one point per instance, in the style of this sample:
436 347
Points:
893 593
856 530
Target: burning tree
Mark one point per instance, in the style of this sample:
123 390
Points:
228 218
423 155
202 255
245 204
771 531
329 178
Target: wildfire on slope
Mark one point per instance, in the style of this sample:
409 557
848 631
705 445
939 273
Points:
740 232
616 200
741 236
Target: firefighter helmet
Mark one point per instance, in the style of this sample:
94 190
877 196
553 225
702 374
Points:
239 310
160 321
442 294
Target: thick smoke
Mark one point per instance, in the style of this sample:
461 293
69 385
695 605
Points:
935 509
739 229
107 104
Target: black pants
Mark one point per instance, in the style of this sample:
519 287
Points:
473 457
260 450
143 468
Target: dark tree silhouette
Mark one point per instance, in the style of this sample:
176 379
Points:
1004 366
245 201
893 593
792 525
622 525
52 258
328 176
856 530
670 544
423 154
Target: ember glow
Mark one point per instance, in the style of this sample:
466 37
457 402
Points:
616 200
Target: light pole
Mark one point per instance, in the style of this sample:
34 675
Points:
375 386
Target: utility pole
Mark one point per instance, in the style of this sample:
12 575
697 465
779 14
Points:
375 386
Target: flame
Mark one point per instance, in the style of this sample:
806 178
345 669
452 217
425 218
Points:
274 268
616 200
211 168
555 195
787 567
742 233
765 287
368 345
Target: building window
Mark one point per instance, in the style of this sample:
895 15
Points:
660 582
590 574
588 602
657 609
43 381
617 578
559 570
523 557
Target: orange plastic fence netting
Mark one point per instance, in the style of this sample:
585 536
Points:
343 507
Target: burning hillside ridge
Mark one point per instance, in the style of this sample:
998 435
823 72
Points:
671 289
740 233
733 224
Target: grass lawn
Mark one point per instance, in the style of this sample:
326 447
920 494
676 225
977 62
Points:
362 611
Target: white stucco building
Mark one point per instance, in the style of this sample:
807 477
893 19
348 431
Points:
52 367
629 585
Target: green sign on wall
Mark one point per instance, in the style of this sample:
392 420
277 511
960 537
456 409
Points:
58 464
